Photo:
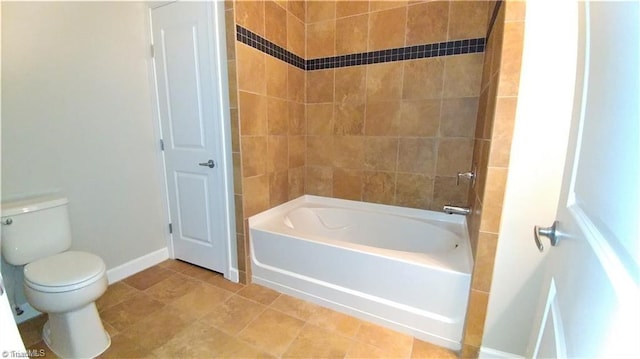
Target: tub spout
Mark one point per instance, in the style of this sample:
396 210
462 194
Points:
448 209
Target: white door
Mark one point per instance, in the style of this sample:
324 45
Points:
590 307
189 110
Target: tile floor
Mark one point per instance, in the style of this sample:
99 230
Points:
177 310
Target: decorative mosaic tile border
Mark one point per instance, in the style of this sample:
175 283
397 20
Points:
447 48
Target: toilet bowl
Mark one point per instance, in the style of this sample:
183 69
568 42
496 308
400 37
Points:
64 284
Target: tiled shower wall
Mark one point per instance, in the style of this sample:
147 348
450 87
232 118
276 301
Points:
492 146
395 132
267 112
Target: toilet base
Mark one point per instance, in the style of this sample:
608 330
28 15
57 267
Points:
76 334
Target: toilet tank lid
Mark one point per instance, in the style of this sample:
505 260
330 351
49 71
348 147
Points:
31 204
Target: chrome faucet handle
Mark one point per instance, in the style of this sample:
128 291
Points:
468 175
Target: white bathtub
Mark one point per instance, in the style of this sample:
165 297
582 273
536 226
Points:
407 269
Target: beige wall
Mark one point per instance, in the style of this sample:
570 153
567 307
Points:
397 132
494 132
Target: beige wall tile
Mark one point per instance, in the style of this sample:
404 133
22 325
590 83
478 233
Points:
297 119
238 207
380 153
275 19
348 152
233 84
462 75
468 19
493 199
256 194
350 84
320 86
295 84
277 116
321 39
296 35
414 190
235 130
276 75
319 119
378 187
320 150
417 155
319 181
427 22
497 36
297 8
446 191
254 155
320 11
351 7
418 118
454 155
277 153
250 14
423 79
278 188
349 119
502 131
297 152
484 260
476 315
384 82
381 117
386 29
515 10
351 34
347 184
511 59
383 5
459 117
251 69
230 32
253 114
296 182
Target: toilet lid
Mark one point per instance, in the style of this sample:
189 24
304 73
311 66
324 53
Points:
64 269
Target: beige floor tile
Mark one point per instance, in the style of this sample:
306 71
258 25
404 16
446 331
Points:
272 331
42 350
131 311
116 293
148 277
233 315
172 288
392 342
218 280
316 342
336 321
31 330
201 300
259 294
175 265
295 307
151 332
427 350
109 328
365 351
124 347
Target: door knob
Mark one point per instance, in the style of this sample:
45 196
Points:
209 164
549 232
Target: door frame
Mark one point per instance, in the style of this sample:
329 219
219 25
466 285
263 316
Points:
218 56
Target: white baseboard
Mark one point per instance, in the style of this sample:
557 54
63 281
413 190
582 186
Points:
488 353
233 275
137 265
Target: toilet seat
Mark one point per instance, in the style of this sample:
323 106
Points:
64 272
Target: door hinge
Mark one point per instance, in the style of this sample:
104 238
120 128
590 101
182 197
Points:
170 228
153 52
161 145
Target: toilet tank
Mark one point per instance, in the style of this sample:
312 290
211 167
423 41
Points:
33 228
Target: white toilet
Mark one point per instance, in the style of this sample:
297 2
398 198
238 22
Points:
65 284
